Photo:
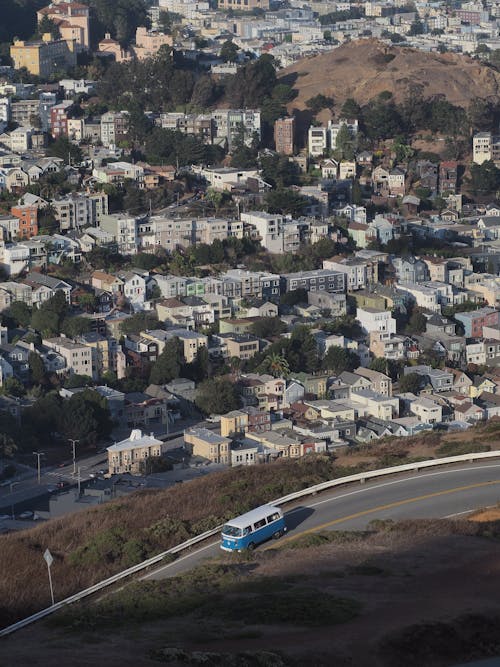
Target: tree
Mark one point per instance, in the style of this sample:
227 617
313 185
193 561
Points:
319 102
294 297
217 396
48 318
302 352
37 369
417 323
338 360
276 365
14 387
169 363
268 327
350 109
229 51
344 143
410 383
285 201
140 322
485 178
48 25
20 313
65 149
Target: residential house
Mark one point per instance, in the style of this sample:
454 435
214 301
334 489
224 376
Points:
209 445
372 320
131 454
427 410
380 382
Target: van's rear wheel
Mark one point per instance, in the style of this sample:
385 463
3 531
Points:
277 534
251 546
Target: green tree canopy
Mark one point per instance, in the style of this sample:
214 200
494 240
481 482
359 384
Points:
229 51
338 360
410 383
169 363
217 396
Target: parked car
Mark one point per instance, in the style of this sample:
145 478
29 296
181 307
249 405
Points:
28 514
62 484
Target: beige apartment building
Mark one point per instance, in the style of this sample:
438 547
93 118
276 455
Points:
190 340
72 19
43 58
78 356
129 454
208 444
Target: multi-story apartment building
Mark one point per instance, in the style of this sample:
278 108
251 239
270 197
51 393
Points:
78 356
320 280
45 103
28 220
474 321
44 58
59 116
80 210
317 141
114 127
284 135
246 5
124 229
372 319
355 271
23 112
232 124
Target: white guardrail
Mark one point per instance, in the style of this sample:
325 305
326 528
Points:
312 490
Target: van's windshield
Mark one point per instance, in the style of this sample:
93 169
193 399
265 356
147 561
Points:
231 531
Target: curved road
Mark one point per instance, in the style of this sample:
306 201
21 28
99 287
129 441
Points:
436 493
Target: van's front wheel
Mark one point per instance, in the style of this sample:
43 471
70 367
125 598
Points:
277 534
251 546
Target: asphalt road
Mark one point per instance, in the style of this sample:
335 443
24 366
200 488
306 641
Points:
443 493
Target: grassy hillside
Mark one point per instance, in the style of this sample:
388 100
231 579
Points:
412 592
92 545
362 69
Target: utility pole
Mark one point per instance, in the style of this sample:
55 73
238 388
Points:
79 480
12 485
38 456
73 445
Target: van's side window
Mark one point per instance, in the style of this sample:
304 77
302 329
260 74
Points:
247 530
273 517
259 524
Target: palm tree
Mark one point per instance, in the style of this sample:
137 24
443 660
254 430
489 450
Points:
276 365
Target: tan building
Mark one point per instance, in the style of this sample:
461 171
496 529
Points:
78 357
233 422
149 42
208 445
243 5
44 58
284 134
72 19
242 346
191 340
130 454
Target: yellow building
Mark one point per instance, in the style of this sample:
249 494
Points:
208 444
44 58
233 422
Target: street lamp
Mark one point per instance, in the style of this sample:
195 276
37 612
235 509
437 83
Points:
38 456
73 445
12 485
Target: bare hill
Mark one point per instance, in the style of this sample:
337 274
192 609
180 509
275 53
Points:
364 68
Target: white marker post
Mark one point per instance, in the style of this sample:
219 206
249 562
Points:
49 560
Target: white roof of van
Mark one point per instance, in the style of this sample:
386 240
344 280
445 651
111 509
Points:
254 515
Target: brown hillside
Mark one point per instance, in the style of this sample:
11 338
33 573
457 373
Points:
364 68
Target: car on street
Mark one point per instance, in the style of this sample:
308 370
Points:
5 517
28 514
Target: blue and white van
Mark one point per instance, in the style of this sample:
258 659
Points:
250 529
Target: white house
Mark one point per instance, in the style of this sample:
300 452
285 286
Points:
375 320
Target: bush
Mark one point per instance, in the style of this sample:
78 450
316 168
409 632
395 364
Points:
460 448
